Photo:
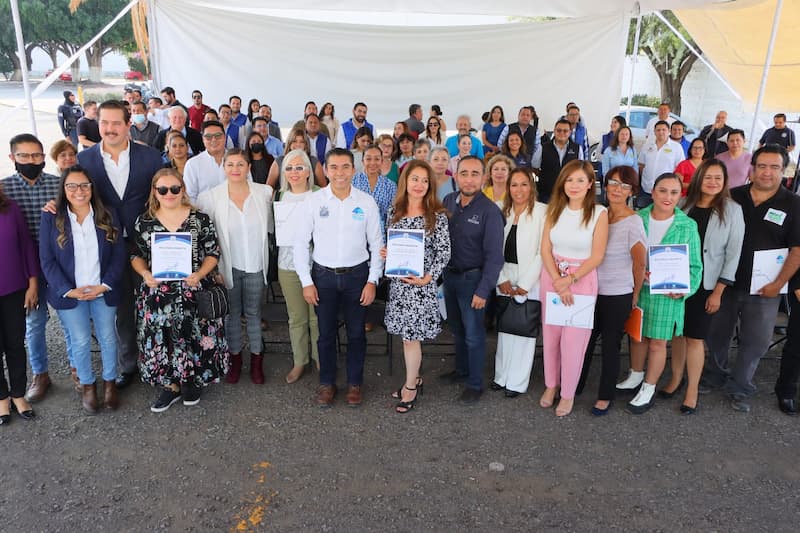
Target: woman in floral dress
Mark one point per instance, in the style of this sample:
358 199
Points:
412 310
179 351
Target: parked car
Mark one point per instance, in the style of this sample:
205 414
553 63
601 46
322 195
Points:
133 75
641 115
65 76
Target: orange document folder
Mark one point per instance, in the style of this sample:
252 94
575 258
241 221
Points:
633 326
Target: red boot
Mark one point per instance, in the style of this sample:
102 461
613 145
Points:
236 369
256 368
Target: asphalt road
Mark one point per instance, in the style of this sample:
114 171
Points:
265 458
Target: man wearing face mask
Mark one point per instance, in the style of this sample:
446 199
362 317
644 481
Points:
142 130
31 189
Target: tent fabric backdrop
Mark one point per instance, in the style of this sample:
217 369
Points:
466 69
735 37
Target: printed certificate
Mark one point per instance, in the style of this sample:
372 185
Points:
286 214
669 269
171 255
767 265
405 253
578 315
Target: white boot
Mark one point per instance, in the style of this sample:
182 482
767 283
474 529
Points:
643 400
632 382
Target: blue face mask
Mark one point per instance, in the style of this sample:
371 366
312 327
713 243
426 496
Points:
138 119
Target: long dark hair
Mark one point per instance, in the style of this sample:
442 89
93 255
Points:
559 199
523 148
508 202
694 193
102 216
614 144
248 148
430 203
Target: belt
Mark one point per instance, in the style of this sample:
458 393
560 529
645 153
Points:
455 270
340 270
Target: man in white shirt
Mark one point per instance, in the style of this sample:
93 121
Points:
663 115
662 155
204 171
344 225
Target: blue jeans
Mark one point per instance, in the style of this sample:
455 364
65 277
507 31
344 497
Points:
35 339
341 291
78 322
466 324
245 299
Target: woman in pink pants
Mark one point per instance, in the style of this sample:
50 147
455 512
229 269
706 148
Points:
573 245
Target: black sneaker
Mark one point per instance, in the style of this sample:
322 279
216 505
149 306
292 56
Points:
191 393
165 400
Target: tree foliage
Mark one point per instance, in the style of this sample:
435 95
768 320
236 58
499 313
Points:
671 59
49 25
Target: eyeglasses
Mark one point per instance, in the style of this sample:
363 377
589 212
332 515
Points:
72 187
212 136
196 96
298 168
174 189
615 183
24 156
432 124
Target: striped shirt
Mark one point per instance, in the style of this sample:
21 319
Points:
32 197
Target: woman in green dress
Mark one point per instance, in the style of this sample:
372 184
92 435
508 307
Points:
664 223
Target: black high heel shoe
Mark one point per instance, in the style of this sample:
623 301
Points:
664 395
6 419
399 392
404 407
28 414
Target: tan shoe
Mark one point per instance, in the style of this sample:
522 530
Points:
353 397
325 395
37 390
295 374
110 397
89 399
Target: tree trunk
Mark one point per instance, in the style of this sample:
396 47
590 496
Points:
16 74
671 91
75 67
94 56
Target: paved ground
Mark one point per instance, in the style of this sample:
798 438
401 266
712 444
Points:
264 458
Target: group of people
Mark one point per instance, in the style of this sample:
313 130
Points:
511 224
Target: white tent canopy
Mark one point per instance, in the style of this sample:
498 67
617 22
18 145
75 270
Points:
286 62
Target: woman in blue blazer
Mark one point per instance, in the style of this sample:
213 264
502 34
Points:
82 255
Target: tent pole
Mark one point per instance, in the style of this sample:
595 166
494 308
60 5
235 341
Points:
763 88
635 59
155 73
23 61
692 49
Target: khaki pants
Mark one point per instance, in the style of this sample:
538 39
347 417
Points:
302 318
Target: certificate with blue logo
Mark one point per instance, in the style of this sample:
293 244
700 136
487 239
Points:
405 253
669 269
171 255
767 264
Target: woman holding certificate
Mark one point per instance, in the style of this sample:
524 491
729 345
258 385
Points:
664 224
721 226
296 185
412 310
241 211
519 281
82 254
573 244
179 350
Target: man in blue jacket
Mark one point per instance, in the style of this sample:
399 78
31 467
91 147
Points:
123 173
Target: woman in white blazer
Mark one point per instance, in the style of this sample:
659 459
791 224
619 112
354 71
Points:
519 278
721 226
241 211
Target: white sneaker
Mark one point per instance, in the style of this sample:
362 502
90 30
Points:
643 400
632 382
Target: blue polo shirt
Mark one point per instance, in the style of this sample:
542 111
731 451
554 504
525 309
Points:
476 239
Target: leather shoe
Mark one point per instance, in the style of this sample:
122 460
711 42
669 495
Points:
125 379
353 397
89 399
452 377
470 396
110 397
257 368
27 414
38 388
494 386
294 374
787 406
686 410
512 393
235 370
325 395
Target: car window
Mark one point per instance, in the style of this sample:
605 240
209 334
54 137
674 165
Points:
639 119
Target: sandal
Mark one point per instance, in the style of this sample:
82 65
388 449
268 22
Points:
404 407
397 395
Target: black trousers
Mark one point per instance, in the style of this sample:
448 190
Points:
610 314
12 344
786 386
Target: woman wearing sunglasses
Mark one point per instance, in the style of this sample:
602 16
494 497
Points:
82 254
242 212
434 132
179 351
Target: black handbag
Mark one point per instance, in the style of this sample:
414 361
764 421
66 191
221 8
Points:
212 302
272 268
520 319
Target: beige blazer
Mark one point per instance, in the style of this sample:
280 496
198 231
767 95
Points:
525 274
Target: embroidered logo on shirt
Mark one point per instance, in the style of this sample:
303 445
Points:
323 211
358 214
474 219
